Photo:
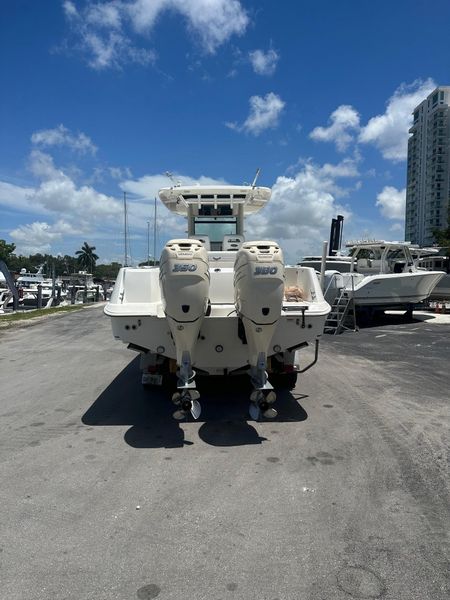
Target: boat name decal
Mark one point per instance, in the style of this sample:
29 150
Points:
265 270
179 267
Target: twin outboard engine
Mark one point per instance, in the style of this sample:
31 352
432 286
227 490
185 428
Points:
184 280
259 290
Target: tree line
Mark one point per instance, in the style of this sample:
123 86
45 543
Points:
85 259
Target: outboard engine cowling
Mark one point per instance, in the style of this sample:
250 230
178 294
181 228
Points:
259 290
184 281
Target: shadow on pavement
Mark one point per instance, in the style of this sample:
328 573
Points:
380 319
224 415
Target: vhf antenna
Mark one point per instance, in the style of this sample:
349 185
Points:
258 171
171 176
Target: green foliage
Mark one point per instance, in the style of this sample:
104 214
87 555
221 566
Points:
6 250
60 265
442 236
107 271
87 257
63 265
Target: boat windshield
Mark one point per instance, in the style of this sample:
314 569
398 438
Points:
368 253
215 227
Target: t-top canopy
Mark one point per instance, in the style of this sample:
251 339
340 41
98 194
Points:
219 199
375 244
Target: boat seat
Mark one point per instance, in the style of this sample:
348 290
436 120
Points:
204 239
232 242
362 263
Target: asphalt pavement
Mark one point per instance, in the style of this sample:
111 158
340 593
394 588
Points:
104 496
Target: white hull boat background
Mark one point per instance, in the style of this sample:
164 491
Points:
382 275
217 305
433 259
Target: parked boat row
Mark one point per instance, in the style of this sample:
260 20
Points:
36 290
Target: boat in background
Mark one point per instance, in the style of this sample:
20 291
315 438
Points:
435 259
383 275
336 262
218 305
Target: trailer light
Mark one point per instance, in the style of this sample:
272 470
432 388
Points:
277 348
219 348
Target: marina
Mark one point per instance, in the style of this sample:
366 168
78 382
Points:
130 502
207 391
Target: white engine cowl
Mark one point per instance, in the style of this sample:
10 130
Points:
184 281
259 290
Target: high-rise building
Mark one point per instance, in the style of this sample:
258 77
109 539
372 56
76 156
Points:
427 188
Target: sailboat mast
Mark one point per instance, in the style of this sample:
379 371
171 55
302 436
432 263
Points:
154 236
125 228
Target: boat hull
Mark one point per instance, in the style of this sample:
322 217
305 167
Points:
394 290
221 345
442 289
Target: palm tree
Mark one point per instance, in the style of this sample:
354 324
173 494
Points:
86 257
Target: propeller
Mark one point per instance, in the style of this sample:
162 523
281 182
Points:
186 402
254 411
261 404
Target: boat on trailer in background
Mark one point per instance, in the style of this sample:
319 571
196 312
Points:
217 304
382 276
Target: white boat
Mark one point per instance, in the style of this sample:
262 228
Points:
383 275
435 259
337 262
27 284
216 304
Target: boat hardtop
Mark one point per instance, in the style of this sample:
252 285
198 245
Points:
183 200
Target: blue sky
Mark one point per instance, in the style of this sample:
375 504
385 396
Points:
99 98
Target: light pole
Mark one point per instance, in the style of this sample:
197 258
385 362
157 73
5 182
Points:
148 243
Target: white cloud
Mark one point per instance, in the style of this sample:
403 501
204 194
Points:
33 238
42 166
147 187
105 15
344 119
300 211
264 63
70 9
15 197
103 28
75 210
391 202
39 236
215 21
389 132
113 50
264 114
120 172
61 136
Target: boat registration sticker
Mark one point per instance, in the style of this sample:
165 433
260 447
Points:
154 379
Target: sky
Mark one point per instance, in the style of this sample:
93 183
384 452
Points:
106 97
